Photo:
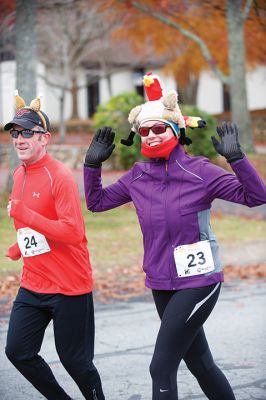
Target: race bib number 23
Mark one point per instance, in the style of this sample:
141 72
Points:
31 242
194 259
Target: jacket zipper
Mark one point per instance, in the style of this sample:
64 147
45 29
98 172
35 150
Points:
169 236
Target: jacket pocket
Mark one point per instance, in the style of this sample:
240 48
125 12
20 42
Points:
194 209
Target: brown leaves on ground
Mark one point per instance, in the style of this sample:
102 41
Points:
9 285
121 284
254 271
118 283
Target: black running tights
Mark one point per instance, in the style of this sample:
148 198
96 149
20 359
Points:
181 336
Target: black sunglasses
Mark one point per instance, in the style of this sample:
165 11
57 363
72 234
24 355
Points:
25 133
157 129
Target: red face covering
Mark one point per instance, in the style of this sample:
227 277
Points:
162 150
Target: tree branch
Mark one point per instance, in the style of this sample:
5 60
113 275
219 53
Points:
246 10
7 22
53 84
192 36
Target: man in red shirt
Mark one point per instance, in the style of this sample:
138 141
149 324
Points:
56 281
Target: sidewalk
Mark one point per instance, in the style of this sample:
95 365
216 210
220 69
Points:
125 337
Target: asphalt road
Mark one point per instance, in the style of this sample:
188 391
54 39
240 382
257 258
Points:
125 337
126 333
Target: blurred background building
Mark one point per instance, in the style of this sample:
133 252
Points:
211 97
79 54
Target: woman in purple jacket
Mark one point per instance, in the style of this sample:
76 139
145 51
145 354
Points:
172 193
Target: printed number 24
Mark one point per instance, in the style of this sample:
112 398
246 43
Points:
200 259
30 242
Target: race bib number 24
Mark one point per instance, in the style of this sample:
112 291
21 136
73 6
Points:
31 242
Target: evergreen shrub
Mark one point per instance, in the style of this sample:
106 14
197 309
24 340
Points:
201 137
114 113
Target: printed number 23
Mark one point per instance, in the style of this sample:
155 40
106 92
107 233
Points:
30 242
194 262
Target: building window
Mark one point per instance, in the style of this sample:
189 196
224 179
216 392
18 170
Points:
138 81
93 97
226 98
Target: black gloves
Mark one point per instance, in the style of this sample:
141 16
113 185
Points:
100 148
229 146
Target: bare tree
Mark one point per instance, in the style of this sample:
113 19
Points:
26 48
26 60
70 32
7 45
7 50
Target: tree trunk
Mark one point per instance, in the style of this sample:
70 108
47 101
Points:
188 94
62 126
109 85
26 48
238 92
26 60
13 163
74 92
1 95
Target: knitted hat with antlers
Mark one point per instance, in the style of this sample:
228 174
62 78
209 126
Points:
28 116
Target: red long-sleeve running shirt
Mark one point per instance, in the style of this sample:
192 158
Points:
45 198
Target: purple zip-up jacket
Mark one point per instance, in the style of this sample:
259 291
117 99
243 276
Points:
173 200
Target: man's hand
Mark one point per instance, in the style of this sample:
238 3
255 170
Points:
229 146
100 148
13 253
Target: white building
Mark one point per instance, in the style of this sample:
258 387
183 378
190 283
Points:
210 96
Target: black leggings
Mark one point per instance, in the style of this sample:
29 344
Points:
181 336
73 319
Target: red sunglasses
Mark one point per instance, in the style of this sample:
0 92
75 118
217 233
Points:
157 129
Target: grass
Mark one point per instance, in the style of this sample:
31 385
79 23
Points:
234 229
115 239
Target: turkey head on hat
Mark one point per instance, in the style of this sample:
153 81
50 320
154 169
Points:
163 108
166 108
